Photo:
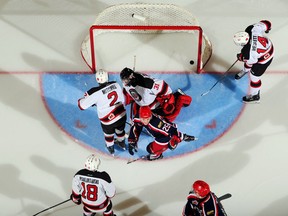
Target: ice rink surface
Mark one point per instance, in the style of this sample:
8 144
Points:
38 160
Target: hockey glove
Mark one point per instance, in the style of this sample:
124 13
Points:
175 140
76 200
132 147
188 138
240 57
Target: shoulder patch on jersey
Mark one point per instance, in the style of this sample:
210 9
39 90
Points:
160 124
210 212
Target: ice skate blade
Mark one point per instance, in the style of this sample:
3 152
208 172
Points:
251 102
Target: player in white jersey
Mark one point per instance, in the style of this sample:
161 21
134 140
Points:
93 188
257 54
155 93
109 99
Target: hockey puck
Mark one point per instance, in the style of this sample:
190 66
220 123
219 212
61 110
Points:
191 62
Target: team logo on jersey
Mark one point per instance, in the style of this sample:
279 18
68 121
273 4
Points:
134 94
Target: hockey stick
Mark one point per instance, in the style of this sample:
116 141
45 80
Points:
160 150
52 206
134 63
136 159
225 196
223 76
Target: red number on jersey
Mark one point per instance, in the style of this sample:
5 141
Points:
263 41
114 97
89 191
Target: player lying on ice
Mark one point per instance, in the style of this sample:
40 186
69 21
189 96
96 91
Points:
165 133
155 93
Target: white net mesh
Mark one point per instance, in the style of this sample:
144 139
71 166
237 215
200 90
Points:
120 28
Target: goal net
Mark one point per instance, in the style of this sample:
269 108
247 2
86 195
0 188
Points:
152 37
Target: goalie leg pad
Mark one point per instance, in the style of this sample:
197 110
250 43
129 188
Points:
183 100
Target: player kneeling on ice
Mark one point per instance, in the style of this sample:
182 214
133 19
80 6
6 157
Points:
165 133
93 188
155 93
201 201
109 99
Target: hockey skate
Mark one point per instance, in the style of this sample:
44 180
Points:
111 149
152 157
121 144
252 98
188 138
240 74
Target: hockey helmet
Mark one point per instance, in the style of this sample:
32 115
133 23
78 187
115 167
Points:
241 38
268 25
101 76
126 76
92 163
201 188
145 112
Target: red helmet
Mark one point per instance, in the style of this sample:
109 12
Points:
201 188
145 112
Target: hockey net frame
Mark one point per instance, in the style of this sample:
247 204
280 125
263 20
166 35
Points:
150 19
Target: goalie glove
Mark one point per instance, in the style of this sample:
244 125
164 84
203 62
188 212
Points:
188 138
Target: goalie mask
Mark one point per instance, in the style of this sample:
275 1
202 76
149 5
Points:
241 38
201 188
101 76
92 163
127 77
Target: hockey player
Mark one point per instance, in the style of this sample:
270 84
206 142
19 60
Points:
257 54
109 99
155 93
201 201
94 189
165 133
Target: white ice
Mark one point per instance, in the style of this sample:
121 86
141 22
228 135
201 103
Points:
38 160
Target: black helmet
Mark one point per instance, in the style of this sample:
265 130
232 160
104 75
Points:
126 77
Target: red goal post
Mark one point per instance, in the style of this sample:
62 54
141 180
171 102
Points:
156 19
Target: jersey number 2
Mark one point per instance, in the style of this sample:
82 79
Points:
114 97
90 191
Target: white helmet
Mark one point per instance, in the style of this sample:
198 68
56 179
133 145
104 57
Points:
92 163
101 76
241 38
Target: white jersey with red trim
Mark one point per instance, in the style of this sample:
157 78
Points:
109 100
145 94
261 50
95 188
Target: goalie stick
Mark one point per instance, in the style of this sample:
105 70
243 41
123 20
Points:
223 77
